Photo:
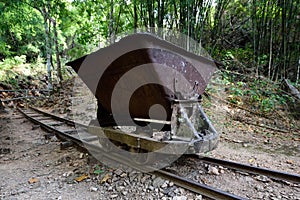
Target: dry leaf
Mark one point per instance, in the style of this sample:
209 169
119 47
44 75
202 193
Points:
290 162
105 178
33 180
204 180
21 105
81 178
4 94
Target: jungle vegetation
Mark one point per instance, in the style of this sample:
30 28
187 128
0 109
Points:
254 37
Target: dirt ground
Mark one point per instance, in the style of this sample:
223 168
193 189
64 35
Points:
34 166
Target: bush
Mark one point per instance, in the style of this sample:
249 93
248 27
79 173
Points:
259 94
11 69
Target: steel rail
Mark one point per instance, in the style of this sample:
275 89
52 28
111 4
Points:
70 122
18 98
182 182
200 188
21 90
191 185
278 175
50 128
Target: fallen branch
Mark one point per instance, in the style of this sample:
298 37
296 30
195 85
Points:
293 90
262 126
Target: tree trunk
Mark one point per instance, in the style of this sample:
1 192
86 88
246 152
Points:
160 8
58 63
298 72
48 48
271 50
111 22
254 28
150 13
283 41
135 16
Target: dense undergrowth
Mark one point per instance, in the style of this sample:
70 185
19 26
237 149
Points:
259 95
19 79
15 73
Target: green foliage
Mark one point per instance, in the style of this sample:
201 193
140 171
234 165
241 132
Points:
20 30
9 63
12 69
98 170
260 36
260 94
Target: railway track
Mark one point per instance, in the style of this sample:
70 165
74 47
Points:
274 174
73 132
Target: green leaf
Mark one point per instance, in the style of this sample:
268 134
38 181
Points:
98 171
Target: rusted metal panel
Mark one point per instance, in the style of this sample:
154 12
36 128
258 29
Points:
162 65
